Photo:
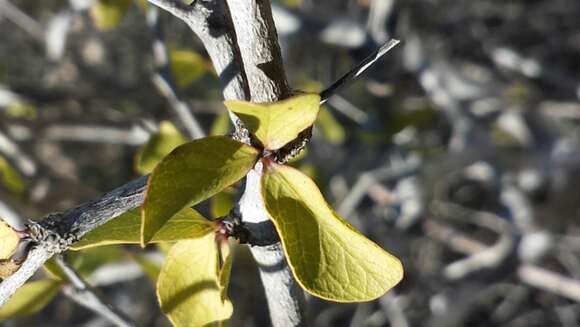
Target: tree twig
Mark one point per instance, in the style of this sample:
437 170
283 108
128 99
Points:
356 71
82 293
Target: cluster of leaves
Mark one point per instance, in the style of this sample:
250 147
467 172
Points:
328 257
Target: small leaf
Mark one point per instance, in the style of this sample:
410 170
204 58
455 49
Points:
277 123
226 269
160 145
8 240
53 270
107 14
187 66
188 287
329 127
126 229
328 256
190 174
30 298
222 203
10 178
221 124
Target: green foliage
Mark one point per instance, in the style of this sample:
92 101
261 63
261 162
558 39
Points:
10 178
189 288
190 174
126 229
330 128
160 145
328 256
30 298
107 14
187 66
223 202
275 124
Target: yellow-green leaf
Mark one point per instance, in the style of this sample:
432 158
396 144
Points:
221 124
8 240
30 298
328 257
190 174
53 270
187 66
330 128
160 145
188 287
277 123
223 202
107 14
126 229
10 178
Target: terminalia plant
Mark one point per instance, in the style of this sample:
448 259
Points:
326 256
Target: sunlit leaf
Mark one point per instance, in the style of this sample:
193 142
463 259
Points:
126 229
329 127
160 145
10 178
8 240
188 288
187 66
30 298
328 256
190 174
222 203
277 123
107 14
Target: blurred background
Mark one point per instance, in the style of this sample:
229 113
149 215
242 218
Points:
459 151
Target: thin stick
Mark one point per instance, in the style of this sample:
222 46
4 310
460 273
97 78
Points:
80 292
355 72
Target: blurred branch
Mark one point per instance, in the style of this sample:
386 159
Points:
80 292
163 78
22 20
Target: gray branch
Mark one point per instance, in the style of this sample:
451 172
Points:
82 293
261 55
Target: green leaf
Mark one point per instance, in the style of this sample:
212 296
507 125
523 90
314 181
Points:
187 66
30 298
160 145
330 128
8 240
190 174
126 229
328 257
221 124
189 288
277 123
107 14
53 270
223 202
10 178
